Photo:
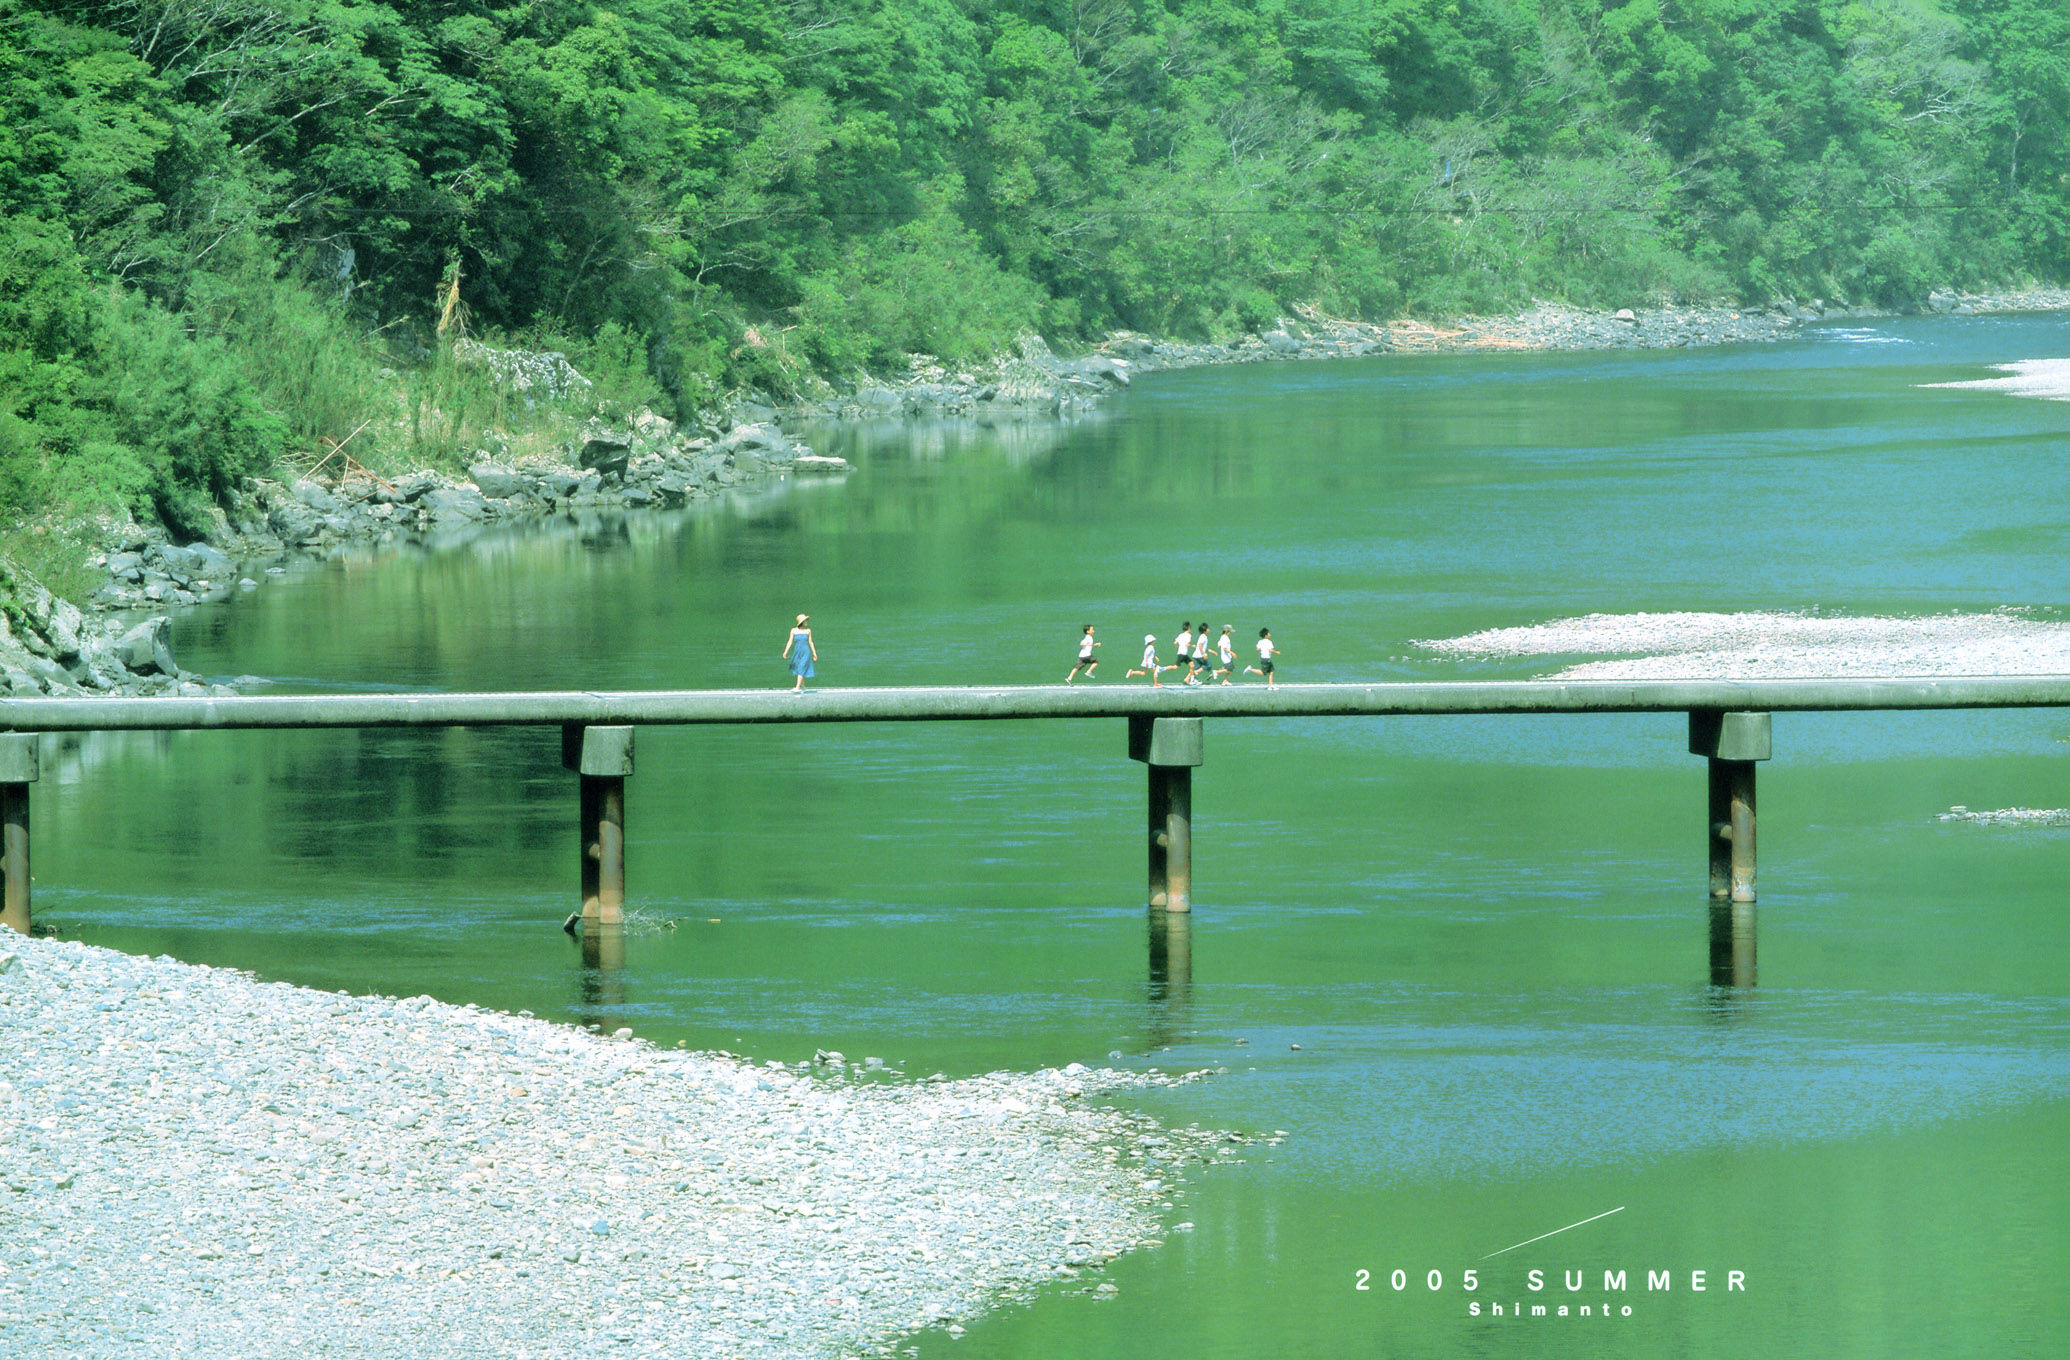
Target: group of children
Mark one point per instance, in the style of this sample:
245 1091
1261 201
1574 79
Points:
1191 654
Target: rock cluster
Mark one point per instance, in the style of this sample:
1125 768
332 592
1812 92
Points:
531 373
47 646
203 1164
643 466
1031 384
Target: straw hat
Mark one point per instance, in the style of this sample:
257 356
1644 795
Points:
1149 637
801 620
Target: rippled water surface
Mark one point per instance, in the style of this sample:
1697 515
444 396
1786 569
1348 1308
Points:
1462 963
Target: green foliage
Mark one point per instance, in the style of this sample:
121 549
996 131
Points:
926 286
261 201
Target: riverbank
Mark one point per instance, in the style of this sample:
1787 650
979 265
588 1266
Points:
119 644
205 1164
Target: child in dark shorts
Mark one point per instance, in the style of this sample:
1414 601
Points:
1086 660
1267 649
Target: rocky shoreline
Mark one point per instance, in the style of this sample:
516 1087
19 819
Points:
51 646
204 1164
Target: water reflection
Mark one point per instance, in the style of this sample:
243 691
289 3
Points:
1732 944
600 983
1170 991
1015 442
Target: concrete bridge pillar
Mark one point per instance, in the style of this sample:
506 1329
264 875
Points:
19 768
1171 747
1733 742
602 757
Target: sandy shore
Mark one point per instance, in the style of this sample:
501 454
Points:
202 1164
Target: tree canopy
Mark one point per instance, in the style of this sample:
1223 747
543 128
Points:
217 215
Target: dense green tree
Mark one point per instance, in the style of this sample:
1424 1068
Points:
262 201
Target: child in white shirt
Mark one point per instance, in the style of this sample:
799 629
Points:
1086 659
1149 666
1267 650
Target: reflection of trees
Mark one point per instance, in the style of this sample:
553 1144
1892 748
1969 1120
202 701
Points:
1014 441
406 805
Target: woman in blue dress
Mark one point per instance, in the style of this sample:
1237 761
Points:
799 651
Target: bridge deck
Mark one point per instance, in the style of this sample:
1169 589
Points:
924 704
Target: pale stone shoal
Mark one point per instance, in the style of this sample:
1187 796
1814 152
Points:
201 1163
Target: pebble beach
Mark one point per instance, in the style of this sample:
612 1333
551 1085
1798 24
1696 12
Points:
203 1163
1774 644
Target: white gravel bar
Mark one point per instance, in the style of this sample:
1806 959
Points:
200 1163
1777 645
2047 379
2015 816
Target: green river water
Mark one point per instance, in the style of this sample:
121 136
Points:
1487 937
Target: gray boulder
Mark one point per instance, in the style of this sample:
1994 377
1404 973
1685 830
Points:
146 650
1100 366
498 483
607 456
451 503
99 668
65 628
211 562
52 678
294 523
178 564
414 486
315 496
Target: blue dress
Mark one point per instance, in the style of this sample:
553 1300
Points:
801 652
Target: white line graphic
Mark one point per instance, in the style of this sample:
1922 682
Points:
1555 1232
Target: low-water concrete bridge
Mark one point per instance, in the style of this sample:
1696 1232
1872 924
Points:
1729 724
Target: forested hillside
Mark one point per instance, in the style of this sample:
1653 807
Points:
229 228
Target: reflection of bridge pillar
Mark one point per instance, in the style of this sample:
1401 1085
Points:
1170 992
18 769
1732 944
603 757
1171 955
601 983
1171 747
1733 741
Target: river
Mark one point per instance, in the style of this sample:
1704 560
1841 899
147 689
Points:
1462 963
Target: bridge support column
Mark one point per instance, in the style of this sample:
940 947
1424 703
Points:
1170 747
1733 742
602 757
19 768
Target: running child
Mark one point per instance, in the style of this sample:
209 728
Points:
1182 650
1267 650
1199 667
1086 659
1149 666
1225 648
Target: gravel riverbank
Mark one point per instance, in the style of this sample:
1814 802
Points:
203 1164
1773 644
